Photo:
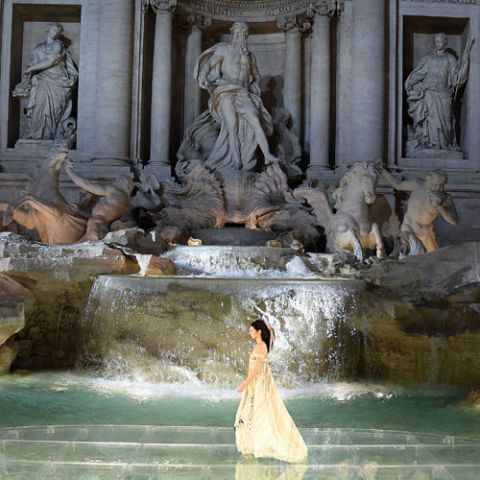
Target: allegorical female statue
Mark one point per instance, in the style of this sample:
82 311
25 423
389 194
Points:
432 88
48 81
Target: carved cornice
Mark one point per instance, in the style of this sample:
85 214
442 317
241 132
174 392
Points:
247 10
196 20
329 8
162 6
291 22
454 2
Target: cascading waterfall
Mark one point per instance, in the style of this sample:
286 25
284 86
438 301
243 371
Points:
184 329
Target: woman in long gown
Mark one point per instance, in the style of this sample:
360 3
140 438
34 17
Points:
263 426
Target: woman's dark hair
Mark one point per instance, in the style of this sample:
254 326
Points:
266 335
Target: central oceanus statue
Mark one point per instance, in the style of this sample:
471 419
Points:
228 134
354 226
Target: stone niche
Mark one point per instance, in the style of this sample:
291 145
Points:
29 26
266 40
416 31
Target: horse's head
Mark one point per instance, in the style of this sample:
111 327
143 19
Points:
360 180
56 158
368 179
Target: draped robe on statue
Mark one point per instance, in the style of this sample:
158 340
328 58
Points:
209 133
50 100
430 88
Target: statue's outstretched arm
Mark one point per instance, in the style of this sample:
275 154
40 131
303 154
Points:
448 211
85 184
403 186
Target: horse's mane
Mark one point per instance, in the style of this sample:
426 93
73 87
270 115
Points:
357 168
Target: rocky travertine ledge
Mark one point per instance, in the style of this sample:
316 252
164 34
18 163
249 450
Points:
12 320
53 283
410 320
72 262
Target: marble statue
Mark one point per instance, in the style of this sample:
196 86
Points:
111 206
432 88
428 199
43 208
352 227
288 148
228 134
47 84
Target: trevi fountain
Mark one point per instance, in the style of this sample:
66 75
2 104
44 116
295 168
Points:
172 170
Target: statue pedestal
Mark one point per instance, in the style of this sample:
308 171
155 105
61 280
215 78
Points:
30 144
436 153
234 236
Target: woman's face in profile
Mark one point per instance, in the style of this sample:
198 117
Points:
253 333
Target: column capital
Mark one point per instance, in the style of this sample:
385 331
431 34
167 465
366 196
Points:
328 8
294 22
195 20
162 6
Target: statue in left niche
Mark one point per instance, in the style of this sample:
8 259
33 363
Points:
47 85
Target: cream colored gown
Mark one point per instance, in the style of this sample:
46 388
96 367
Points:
263 426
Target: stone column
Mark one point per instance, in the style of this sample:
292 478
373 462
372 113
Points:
320 93
161 88
368 82
192 96
292 88
114 80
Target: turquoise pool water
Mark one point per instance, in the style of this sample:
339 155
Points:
63 398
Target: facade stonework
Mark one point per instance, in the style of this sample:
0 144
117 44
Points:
332 74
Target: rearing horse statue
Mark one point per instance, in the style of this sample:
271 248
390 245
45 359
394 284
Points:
42 206
352 227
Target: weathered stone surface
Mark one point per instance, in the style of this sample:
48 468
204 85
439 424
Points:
76 262
136 240
160 267
231 236
54 282
12 318
8 352
222 260
441 272
410 321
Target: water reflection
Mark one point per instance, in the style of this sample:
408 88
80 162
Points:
250 468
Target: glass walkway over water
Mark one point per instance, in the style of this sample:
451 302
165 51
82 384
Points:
150 452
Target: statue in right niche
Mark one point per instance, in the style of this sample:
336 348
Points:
432 89
47 85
